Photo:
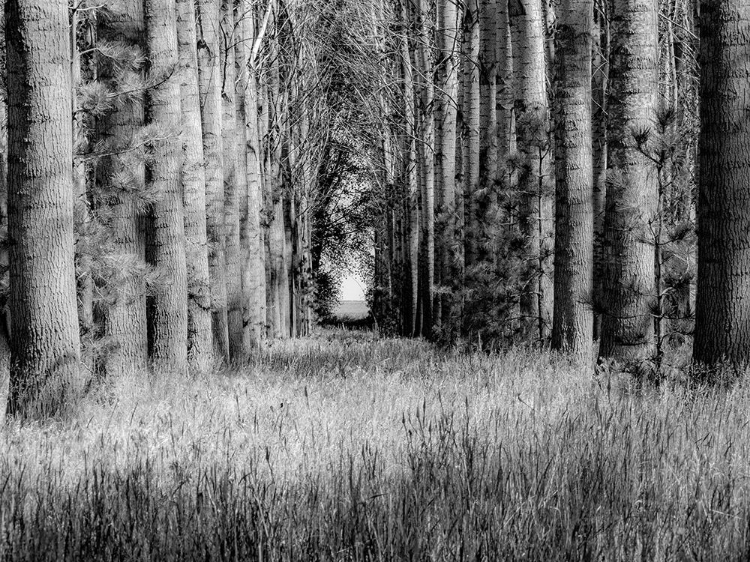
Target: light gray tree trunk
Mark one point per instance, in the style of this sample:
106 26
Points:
210 83
125 319
45 352
574 226
632 186
167 245
200 337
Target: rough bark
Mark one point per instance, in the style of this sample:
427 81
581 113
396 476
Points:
254 266
449 44
200 337
209 81
471 109
572 328
536 219
722 329
125 319
232 187
45 352
632 186
167 222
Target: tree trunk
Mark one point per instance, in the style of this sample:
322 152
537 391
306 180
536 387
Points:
449 44
574 226
232 187
125 319
210 83
167 251
536 220
471 109
45 349
600 76
200 338
722 329
254 266
632 190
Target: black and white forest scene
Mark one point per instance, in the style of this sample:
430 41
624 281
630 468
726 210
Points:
374 280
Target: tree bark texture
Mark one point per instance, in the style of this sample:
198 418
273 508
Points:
210 83
632 185
45 343
574 225
125 319
170 313
200 336
722 329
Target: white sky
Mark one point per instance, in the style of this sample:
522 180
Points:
352 289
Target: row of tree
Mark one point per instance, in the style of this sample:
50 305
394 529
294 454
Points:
167 164
544 168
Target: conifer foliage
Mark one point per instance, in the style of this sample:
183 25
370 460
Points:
183 179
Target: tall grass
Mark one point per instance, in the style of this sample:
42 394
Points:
350 448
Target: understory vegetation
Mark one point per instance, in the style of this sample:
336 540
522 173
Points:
343 446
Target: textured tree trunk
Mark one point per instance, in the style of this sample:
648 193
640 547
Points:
450 45
233 187
45 352
572 328
254 266
722 330
488 153
632 190
412 183
472 114
125 319
600 76
210 83
536 218
167 251
200 337
428 166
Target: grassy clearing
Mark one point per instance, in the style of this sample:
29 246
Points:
350 448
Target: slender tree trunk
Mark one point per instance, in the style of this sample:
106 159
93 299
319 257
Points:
450 45
411 179
200 337
210 83
488 152
632 190
428 164
233 187
536 218
472 115
45 349
254 266
600 76
125 319
574 226
722 330
170 316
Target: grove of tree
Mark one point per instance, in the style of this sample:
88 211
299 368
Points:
185 179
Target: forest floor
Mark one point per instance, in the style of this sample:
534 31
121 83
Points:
348 447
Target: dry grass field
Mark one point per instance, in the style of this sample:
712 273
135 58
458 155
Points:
348 447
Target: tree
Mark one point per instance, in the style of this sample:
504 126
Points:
722 329
254 266
234 179
535 213
574 225
45 352
200 339
632 190
447 95
209 81
169 318
123 172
